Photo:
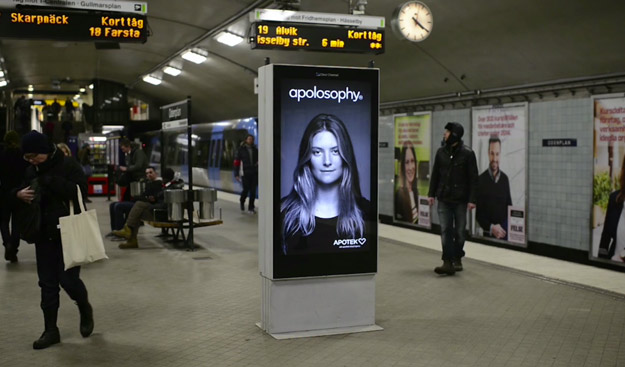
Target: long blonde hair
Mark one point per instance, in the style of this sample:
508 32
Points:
298 206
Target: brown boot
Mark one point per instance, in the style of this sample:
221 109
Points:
132 240
125 232
447 268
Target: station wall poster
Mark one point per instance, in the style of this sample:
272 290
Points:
325 210
608 227
413 141
499 140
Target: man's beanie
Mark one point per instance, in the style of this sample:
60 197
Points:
35 142
455 128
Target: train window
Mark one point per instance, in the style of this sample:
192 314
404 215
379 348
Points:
202 154
232 140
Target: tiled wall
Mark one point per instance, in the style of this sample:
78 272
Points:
560 178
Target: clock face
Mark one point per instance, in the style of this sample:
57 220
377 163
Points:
413 21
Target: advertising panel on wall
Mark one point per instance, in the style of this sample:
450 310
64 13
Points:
325 129
412 169
499 137
608 229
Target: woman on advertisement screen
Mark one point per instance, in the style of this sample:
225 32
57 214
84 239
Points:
612 244
325 211
407 195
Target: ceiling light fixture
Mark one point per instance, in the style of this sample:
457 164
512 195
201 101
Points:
82 90
228 38
1 73
30 88
173 71
196 55
91 86
152 80
3 82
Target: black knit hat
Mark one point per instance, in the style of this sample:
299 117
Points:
455 128
35 142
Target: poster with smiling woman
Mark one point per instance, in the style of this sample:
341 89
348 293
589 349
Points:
412 167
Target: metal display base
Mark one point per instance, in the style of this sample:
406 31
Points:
308 307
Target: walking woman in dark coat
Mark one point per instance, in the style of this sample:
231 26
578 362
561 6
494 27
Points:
51 183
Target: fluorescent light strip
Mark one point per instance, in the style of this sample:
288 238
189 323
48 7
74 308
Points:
193 56
172 70
152 80
228 38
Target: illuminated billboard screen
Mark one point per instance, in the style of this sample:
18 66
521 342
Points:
325 171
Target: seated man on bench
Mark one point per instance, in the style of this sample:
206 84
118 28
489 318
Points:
142 210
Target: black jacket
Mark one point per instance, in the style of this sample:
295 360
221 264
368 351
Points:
57 178
607 245
152 188
454 176
250 164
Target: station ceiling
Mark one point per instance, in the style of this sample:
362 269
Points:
474 45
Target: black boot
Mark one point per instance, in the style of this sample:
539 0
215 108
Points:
86 319
51 334
457 263
447 268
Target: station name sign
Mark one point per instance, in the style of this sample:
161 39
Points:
297 36
175 115
294 30
73 25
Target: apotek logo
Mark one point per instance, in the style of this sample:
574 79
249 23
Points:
338 95
350 243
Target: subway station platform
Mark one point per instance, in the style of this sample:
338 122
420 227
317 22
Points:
163 306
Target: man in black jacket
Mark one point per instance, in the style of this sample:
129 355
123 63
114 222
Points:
247 156
454 184
55 178
493 196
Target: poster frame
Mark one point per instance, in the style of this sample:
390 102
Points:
473 220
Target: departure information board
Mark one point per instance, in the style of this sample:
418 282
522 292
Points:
298 36
72 25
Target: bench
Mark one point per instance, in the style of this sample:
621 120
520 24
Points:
178 227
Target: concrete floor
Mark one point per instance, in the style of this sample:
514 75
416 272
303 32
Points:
163 306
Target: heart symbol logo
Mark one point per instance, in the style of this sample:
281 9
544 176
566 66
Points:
362 241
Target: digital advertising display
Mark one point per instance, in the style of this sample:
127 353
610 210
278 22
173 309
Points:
500 144
413 140
325 171
608 179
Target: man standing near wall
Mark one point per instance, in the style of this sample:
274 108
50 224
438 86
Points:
454 184
493 196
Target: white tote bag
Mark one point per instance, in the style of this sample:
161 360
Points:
80 236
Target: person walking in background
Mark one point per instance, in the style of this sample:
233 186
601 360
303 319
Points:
454 185
84 158
12 168
65 149
51 182
247 157
136 163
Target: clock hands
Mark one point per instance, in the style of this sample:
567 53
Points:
419 24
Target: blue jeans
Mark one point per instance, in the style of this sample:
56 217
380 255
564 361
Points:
453 218
118 212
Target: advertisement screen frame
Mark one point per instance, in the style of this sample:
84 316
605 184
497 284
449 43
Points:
327 263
